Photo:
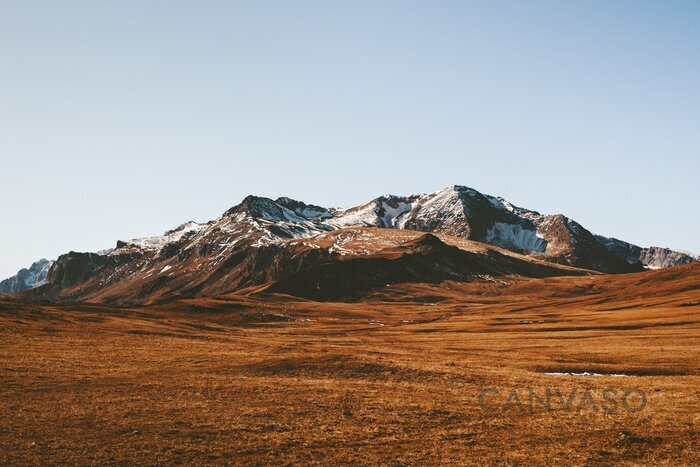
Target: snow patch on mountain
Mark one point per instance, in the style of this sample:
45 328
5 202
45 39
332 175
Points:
364 216
307 211
393 211
444 210
174 235
516 237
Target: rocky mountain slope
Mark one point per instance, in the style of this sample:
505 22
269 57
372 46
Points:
26 279
416 257
261 240
651 258
210 265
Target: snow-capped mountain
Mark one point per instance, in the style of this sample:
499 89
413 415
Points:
27 279
467 213
250 244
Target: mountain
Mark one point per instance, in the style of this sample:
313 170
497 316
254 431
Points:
464 212
261 242
652 258
259 255
27 279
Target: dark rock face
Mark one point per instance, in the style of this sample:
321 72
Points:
576 246
27 279
626 251
72 269
309 211
426 259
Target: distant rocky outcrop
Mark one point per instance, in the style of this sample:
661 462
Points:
27 278
651 258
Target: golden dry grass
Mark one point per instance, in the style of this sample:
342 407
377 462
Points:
395 379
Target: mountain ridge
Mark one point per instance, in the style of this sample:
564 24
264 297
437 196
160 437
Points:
246 244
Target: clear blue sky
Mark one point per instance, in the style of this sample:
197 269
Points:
125 118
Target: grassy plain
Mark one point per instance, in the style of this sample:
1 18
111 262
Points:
414 374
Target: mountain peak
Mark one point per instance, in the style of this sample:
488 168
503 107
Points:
307 211
258 207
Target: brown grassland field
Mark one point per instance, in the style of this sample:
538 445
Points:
394 379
